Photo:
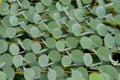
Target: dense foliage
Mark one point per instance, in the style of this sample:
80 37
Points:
59 40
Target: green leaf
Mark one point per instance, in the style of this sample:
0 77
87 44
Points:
37 72
52 75
2 76
57 33
86 42
79 14
35 32
65 2
77 56
77 75
105 76
97 41
86 1
103 53
59 6
39 7
25 4
50 42
47 2
17 60
36 18
66 61
27 43
100 11
60 45
56 17
3 46
102 30
71 42
109 41
11 32
29 74
59 70
43 60
13 20
88 60
7 58
14 49
111 71
95 76
76 29
117 39
10 73
54 56
36 47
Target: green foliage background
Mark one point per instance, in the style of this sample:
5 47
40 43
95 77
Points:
59 40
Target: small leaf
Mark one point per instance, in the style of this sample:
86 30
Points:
65 2
43 60
66 61
36 47
59 6
86 1
100 11
79 13
52 75
50 42
37 72
60 45
109 41
117 39
27 44
3 46
11 32
95 76
59 70
30 58
2 76
25 4
14 49
13 20
86 42
17 60
47 2
39 7
76 29
57 33
29 74
35 32
36 18
88 60
54 56
102 30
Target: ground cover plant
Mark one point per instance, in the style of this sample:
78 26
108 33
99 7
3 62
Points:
59 39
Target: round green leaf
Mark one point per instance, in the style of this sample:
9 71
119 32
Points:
100 11
86 42
7 58
50 42
57 33
77 75
2 76
59 70
17 60
95 76
88 60
13 20
36 18
3 46
52 75
77 56
14 49
60 45
29 74
97 41
43 60
59 6
35 32
47 2
103 53
109 41
10 73
76 29
39 7
79 13
66 61
71 42
37 72
25 4
102 30
27 43
54 56
36 47
86 1
65 2
11 32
